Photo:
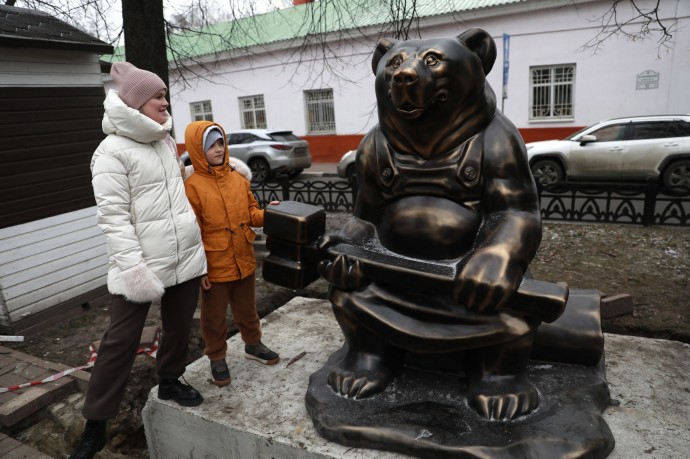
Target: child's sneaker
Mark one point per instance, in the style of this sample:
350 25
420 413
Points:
261 353
220 373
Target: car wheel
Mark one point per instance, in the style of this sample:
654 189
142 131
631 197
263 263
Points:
547 172
350 174
295 173
260 170
677 174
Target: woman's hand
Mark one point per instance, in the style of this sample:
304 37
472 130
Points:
205 283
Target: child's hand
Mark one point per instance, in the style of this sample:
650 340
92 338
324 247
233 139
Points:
274 203
205 283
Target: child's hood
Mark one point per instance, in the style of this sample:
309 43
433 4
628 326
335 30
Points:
194 138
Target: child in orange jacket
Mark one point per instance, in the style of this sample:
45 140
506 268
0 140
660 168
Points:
219 192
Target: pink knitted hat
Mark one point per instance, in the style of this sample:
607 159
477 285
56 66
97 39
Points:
135 86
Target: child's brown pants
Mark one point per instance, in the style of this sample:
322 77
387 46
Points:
241 295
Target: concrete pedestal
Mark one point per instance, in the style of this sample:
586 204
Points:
262 413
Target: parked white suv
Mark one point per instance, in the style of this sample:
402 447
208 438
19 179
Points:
267 152
622 149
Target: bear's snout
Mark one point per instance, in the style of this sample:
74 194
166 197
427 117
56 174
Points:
405 76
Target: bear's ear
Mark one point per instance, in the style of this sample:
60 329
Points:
479 41
382 48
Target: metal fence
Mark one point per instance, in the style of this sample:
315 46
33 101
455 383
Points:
646 203
642 204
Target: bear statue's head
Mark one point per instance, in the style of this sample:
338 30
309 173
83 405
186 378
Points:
432 93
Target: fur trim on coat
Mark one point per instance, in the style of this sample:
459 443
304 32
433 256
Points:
235 164
141 285
241 167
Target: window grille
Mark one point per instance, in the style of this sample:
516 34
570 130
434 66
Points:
551 92
253 112
320 112
201 111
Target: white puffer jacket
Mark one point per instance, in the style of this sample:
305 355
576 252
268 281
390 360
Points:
153 237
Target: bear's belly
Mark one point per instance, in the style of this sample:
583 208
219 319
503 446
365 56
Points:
428 227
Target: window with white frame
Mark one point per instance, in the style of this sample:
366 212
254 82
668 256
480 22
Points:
201 111
320 113
551 92
253 112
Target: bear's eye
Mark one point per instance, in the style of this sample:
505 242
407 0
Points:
430 60
395 62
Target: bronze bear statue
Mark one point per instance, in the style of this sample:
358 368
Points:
443 180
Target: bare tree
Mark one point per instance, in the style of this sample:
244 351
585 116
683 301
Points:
635 21
320 28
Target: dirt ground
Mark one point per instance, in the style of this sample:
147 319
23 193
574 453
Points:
650 263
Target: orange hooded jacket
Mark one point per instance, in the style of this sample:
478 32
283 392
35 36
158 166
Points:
225 209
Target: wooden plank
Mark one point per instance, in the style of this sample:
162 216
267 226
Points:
60 278
48 139
39 208
41 93
73 158
81 189
55 79
79 175
9 120
36 190
52 153
45 268
46 211
83 217
88 248
55 125
48 244
31 304
34 323
47 57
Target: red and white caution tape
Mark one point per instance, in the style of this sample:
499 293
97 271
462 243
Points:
151 351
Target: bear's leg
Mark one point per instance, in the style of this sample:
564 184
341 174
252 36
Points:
498 386
370 364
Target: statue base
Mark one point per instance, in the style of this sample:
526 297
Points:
410 418
262 413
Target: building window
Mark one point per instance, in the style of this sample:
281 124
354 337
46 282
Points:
320 113
201 111
253 112
551 92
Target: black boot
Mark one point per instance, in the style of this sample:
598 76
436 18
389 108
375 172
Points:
183 394
92 440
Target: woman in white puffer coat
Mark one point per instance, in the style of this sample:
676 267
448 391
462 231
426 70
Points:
154 247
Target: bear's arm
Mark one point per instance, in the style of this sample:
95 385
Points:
510 232
510 204
368 201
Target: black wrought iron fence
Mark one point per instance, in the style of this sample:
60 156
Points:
332 195
644 203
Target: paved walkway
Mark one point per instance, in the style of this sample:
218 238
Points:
12 449
16 406
16 369
322 169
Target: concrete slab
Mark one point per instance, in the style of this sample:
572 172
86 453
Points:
261 414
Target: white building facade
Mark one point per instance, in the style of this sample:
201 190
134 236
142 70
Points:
554 86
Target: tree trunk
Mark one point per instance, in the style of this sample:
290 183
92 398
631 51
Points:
143 26
144 30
